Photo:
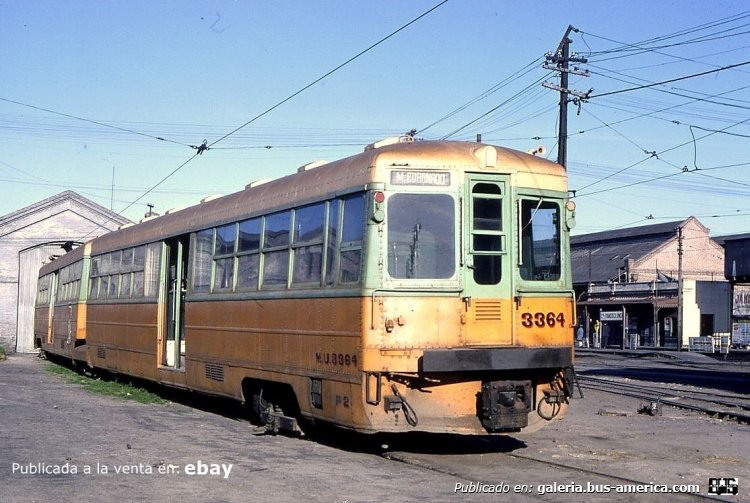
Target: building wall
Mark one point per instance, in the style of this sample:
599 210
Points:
65 217
691 313
705 298
737 263
715 298
702 258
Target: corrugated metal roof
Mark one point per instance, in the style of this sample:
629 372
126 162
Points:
732 237
601 256
603 261
641 232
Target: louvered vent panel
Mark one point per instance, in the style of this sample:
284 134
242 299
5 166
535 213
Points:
101 353
215 372
488 310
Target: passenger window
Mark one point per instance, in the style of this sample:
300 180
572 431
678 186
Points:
224 273
308 244
202 260
354 218
276 250
352 232
421 236
333 244
276 268
487 235
247 274
308 223
225 238
248 261
277 230
540 240
249 235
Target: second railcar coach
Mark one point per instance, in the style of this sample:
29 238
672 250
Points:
419 285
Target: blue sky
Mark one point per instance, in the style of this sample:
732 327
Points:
188 71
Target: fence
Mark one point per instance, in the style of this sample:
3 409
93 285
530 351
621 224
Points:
716 343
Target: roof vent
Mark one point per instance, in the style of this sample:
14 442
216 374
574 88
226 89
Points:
174 210
255 183
391 140
211 198
311 165
125 226
487 156
146 219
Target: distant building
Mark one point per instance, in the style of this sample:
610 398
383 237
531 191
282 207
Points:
28 238
737 271
627 280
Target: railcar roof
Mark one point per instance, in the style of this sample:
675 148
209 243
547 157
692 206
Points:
358 170
60 262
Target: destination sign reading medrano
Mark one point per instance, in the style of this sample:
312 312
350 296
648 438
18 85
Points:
420 178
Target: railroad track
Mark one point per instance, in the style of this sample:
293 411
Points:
731 406
582 484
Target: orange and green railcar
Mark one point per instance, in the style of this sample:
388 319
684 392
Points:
419 285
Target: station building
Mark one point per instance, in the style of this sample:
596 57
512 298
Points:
30 237
650 286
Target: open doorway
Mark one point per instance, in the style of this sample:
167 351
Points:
175 279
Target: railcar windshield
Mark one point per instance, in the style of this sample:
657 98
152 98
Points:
421 236
540 240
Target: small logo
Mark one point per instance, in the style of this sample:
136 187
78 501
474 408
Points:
726 485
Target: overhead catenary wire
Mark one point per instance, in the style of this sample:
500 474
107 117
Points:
205 146
671 91
650 156
641 47
514 97
685 31
503 83
329 73
668 81
91 121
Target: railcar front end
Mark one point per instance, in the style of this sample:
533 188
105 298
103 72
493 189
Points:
469 326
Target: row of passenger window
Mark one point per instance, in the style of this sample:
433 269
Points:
69 282
318 244
129 273
44 290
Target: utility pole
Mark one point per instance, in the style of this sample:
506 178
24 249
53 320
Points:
679 288
561 59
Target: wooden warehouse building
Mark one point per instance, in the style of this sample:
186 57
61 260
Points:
28 238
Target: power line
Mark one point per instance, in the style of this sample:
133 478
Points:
651 155
640 182
205 146
511 78
308 86
91 121
515 96
667 91
645 86
685 31
639 47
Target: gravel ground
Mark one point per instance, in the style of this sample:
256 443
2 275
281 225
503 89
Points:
148 452
175 452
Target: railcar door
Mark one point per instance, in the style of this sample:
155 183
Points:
175 278
52 303
487 278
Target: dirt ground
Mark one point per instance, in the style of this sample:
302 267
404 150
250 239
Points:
150 450
126 451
